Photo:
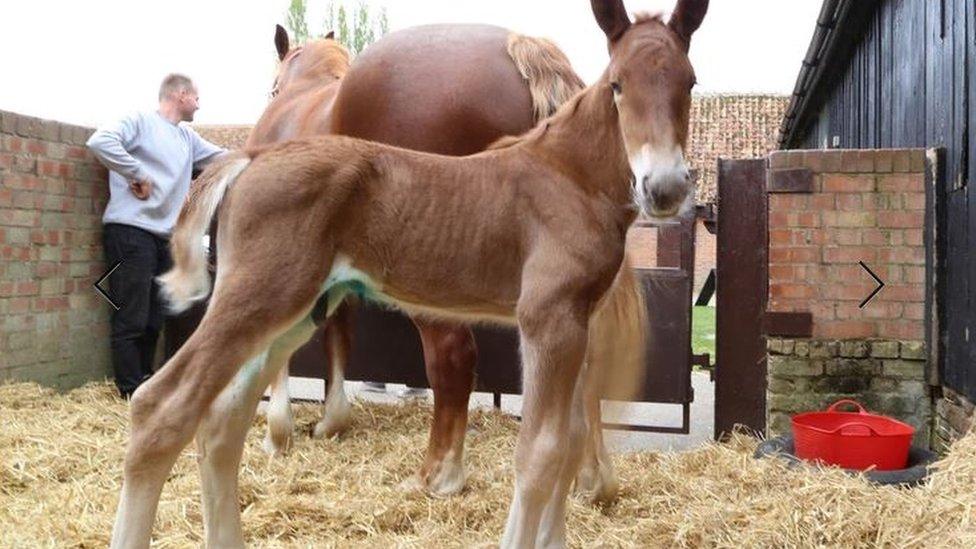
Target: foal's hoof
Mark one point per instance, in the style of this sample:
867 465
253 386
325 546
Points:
328 428
597 487
276 446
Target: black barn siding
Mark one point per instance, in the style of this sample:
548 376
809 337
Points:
909 82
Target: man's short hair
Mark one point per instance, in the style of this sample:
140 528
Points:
174 84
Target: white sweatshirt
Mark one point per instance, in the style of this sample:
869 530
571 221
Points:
147 146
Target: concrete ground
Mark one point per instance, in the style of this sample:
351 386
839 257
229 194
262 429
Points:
702 412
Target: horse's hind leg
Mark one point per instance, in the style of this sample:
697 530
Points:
249 309
337 413
220 440
281 424
450 356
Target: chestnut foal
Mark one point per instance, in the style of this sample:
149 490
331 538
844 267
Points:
520 80
530 234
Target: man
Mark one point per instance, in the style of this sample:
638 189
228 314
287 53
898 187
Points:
151 156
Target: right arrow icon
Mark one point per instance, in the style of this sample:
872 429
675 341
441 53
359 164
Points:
876 290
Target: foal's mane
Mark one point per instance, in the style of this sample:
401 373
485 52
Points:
566 111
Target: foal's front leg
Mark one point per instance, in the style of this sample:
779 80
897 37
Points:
220 440
552 530
596 480
553 334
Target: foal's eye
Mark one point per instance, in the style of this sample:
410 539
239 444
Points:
615 86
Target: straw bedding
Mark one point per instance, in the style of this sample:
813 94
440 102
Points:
60 459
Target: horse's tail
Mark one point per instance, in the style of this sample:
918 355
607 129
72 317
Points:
618 335
547 70
188 280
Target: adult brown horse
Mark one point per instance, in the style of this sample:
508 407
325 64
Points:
530 234
497 83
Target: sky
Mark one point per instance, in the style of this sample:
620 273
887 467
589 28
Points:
89 61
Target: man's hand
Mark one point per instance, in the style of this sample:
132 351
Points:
141 188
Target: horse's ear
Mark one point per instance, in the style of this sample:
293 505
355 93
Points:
612 17
687 17
281 42
330 35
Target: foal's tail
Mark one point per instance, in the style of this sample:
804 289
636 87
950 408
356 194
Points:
618 338
188 280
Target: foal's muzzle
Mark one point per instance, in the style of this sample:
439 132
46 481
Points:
667 191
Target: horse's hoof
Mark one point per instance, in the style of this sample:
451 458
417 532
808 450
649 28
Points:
447 480
413 483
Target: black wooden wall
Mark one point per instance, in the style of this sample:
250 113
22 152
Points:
910 82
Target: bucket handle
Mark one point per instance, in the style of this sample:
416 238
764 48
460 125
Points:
860 409
840 429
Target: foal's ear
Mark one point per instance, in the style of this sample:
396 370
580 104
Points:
612 17
281 42
330 35
687 17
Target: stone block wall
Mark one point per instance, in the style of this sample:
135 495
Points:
883 375
53 326
862 206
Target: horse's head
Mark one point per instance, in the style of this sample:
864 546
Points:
319 61
651 78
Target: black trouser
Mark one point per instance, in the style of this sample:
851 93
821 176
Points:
137 323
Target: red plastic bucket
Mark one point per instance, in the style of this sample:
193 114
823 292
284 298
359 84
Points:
852 440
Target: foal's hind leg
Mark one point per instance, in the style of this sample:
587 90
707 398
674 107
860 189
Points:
281 424
337 413
249 308
450 356
220 440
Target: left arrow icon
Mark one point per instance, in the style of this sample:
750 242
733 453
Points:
99 289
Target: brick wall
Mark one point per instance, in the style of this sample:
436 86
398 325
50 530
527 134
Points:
866 206
869 206
53 326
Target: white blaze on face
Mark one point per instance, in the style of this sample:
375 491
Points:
661 182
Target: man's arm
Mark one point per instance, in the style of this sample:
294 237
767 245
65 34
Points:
203 150
109 144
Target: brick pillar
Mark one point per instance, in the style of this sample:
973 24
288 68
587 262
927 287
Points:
860 206
53 326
